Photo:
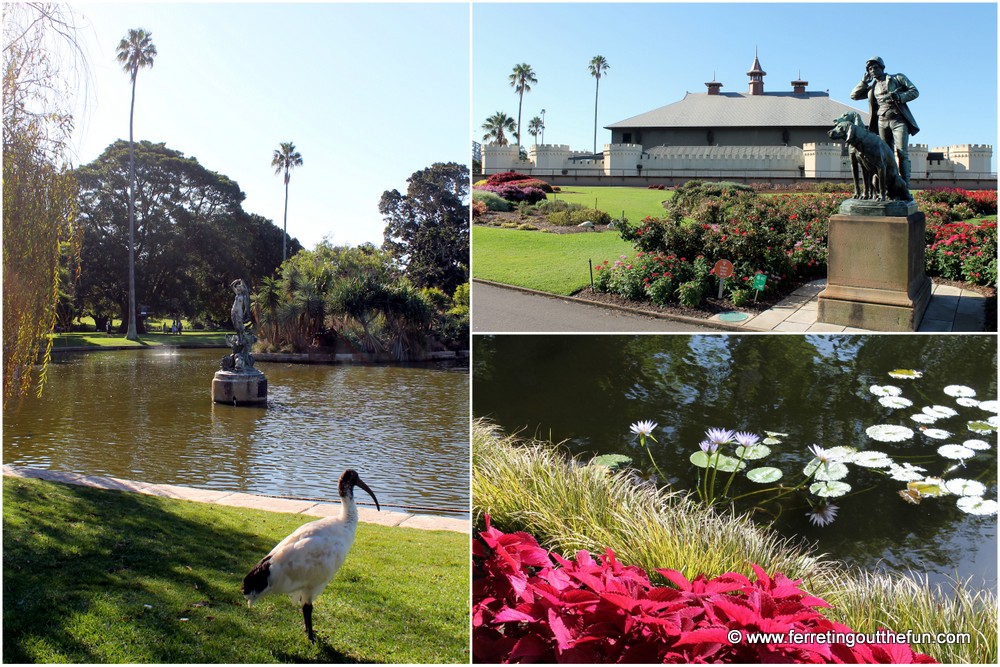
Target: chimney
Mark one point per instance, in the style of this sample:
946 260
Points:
799 86
756 75
713 86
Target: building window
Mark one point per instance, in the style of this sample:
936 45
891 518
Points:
626 137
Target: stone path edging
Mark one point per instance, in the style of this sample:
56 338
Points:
246 500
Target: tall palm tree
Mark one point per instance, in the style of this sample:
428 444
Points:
598 66
136 51
535 128
495 127
285 159
521 80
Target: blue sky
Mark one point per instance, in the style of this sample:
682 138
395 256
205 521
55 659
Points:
369 93
657 52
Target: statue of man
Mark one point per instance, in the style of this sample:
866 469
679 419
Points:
887 97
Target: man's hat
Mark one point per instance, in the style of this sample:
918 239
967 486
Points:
876 59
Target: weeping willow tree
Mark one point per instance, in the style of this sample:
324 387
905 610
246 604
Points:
42 70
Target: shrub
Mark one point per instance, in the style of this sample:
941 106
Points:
690 293
577 216
553 205
493 201
512 193
533 183
479 207
505 177
529 605
662 290
740 297
528 227
963 251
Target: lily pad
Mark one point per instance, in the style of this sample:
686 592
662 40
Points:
895 402
977 505
611 461
829 489
885 390
906 374
764 475
976 444
871 459
889 433
980 427
717 461
936 433
921 418
965 487
906 472
967 402
826 471
957 452
939 411
753 453
989 406
928 486
959 391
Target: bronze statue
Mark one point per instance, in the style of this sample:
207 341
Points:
888 95
242 341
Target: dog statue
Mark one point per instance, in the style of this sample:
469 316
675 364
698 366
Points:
879 172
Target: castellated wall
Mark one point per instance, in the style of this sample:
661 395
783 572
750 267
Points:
821 161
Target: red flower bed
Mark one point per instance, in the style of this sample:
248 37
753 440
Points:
963 251
532 606
505 177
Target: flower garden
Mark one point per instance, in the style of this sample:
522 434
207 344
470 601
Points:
782 237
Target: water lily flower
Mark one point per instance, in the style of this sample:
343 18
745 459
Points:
719 436
708 447
822 515
824 455
747 439
643 429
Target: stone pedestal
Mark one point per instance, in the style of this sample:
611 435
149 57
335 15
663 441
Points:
876 276
240 387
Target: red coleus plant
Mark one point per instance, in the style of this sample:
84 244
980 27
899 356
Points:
532 606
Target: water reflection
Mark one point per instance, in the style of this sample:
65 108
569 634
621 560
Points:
586 390
149 416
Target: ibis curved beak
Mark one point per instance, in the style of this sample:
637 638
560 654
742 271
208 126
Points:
370 493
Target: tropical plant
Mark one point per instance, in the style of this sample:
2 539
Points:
285 159
135 51
495 127
535 128
521 80
598 66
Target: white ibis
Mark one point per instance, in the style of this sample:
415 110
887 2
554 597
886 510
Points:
304 562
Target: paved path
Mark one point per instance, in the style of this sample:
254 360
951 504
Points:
504 309
507 309
247 500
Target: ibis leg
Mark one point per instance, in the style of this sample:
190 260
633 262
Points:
307 614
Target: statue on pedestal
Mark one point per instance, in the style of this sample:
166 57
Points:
241 359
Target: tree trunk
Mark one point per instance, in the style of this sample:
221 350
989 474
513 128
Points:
284 238
597 92
519 102
132 333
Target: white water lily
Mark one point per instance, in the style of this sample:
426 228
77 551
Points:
895 402
989 406
921 418
959 391
965 487
976 505
940 411
976 444
905 374
955 452
906 472
967 402
871 459
936 433
885 390
643 428
889 433
822 515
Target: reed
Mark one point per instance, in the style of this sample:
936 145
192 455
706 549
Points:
568 505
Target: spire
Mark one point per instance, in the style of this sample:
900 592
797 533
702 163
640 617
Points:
756 75
799 86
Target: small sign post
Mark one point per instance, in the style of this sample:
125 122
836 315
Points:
723 269
758 284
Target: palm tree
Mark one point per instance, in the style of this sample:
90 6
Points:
520 80
135 51
598 66
285 159
495 127
535 128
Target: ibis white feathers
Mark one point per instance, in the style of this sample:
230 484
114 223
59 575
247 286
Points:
304 562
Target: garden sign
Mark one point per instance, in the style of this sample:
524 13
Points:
723 269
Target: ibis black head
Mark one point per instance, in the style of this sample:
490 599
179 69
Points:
349 480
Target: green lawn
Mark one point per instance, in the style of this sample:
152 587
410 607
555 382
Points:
554 263
95 339
103 576
637 203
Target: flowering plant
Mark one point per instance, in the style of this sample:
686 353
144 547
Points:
533 606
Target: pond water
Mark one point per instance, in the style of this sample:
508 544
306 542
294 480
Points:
585 391
149 416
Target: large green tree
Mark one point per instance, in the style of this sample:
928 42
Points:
135 51
40 56
521 80
496 125
191 235
427 229
598 66
285 159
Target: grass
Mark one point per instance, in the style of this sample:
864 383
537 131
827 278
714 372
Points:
554 263
637 203
96 339
567 507
103 576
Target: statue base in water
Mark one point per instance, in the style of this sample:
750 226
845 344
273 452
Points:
875 272
240 387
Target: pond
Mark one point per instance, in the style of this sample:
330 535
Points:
149 416
585 391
